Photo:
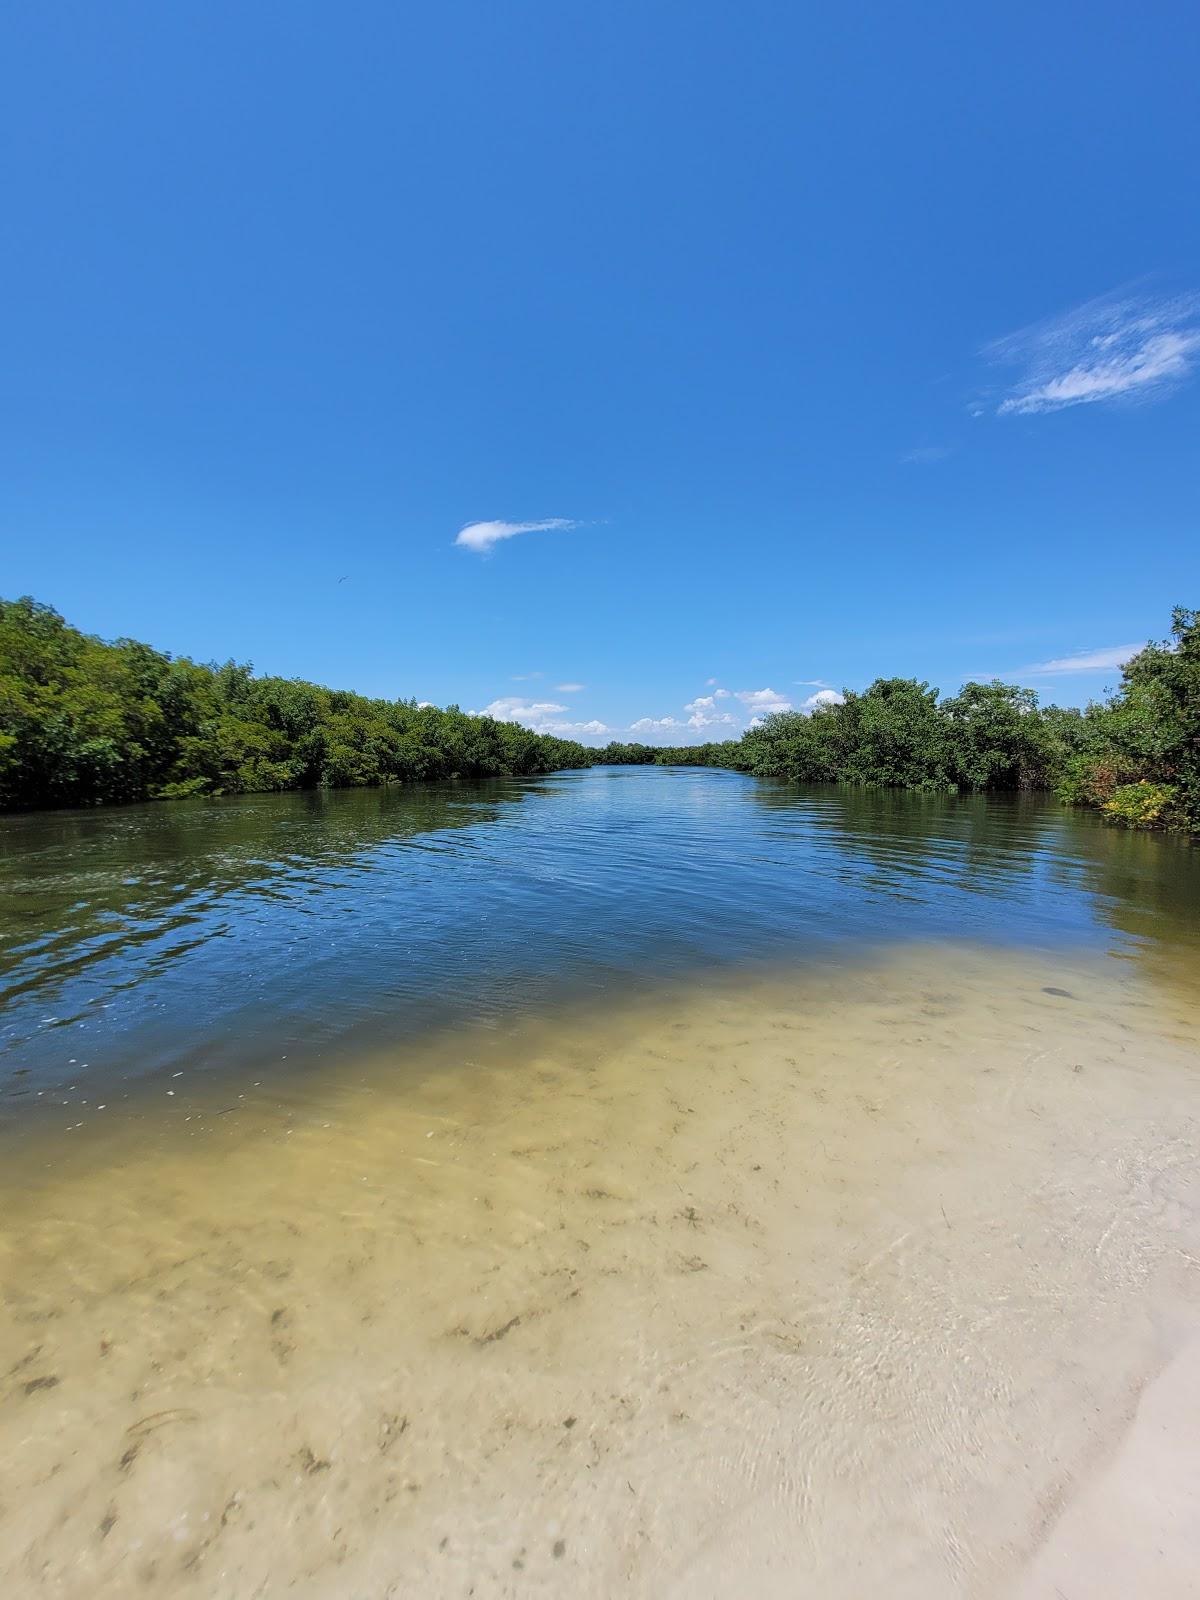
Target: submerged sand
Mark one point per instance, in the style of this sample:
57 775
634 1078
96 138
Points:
879 1281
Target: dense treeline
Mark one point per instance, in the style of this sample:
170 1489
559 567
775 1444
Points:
1135 757
84 722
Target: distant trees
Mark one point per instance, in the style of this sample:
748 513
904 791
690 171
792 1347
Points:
1136 757
83 722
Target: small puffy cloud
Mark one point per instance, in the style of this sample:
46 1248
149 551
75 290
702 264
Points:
424 705
763 700
484 536
511 709
543 716
655 724
704 713
823 697
570 688
1119 347
573 730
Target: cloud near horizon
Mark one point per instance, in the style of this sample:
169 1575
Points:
1112 348
1112 656
763 700
511 708
703 718
482 537
543 716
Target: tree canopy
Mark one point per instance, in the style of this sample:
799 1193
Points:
83 722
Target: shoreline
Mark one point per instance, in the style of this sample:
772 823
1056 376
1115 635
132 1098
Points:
737 1282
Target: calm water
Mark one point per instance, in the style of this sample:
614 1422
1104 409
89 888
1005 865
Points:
631 1182
278 929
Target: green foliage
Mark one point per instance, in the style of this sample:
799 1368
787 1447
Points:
1136 758
1145 805
899 735
1139 758
83 722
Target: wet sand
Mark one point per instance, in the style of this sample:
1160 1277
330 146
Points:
884 1280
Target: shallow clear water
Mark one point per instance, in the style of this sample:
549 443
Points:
290 927
632 1182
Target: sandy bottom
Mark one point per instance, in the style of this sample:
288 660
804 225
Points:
885 1281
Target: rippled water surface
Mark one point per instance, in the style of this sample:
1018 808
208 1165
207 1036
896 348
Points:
251 930
634 1182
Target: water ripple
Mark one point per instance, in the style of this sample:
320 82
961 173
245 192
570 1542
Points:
213 928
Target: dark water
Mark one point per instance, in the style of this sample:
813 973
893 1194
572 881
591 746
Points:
289 927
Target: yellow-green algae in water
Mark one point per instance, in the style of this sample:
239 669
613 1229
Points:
832 1284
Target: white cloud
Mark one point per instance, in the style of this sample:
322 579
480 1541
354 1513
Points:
1117 347
526 677
654 724
1112 656
763 700
704 713
482 536
424 705
812 683
570 688
571 730
543 716
823 697
511 709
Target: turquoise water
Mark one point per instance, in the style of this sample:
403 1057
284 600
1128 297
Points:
270 931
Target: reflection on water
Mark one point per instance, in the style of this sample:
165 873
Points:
295 926
628 1182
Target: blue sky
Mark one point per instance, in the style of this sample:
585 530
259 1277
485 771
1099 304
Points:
823 342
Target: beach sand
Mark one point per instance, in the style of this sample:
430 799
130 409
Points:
883 1279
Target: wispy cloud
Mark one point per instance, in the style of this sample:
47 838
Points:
526 677
484 536
812 683
570 688
1119 347
1105 660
